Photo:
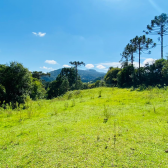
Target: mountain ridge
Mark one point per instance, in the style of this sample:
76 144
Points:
86 75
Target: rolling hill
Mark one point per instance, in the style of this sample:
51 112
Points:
86 75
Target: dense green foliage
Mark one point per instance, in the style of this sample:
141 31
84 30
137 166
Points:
64 81
150 75
111 76
17 83
37 90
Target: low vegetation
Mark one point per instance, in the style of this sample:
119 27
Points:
101 127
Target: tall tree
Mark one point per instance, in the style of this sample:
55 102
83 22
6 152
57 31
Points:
142 44
64 81
129 51
76 64
15 81
159 26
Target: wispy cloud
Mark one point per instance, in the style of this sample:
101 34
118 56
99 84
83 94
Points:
46 68
155 6
66 66
112 64
50 62
89 66
40 34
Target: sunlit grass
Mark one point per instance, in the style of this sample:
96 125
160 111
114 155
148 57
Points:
120 128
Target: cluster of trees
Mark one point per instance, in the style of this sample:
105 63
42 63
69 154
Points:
17 83
67 80
127 76
140 44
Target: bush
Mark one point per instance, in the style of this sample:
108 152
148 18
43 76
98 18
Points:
15 81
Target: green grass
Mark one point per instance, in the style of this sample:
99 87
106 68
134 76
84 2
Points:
120 128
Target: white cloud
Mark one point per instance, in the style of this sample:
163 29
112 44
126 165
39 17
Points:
100 67
105 66
136 64
111 64
66 66
149 61
40 34
50 62
46 68
89 66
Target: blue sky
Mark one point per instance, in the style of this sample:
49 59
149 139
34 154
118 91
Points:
45 35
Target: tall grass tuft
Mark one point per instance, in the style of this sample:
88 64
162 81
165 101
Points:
106 113
99 93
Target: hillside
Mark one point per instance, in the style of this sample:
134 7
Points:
86 75
102 127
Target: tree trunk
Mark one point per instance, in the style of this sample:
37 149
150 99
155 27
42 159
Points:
162 42
139 64
139 58
132 58
76 75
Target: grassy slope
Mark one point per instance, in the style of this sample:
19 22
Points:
74 133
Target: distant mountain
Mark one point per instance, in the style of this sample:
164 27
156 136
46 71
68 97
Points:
86 75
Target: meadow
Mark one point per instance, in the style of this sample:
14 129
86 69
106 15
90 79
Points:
101 127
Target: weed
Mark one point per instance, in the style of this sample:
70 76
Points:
29 113
70 94
106 114
73 103
100 91
154 110
92 97
77 92
148 102
115 134
132 88
66 105
141 87
55 111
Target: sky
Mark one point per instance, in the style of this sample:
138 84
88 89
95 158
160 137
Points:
45 35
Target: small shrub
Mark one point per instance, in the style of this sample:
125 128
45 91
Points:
100 91
55 112
77 92
142 87
106 114
132 88
70 94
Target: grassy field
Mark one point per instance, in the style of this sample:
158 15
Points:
102 127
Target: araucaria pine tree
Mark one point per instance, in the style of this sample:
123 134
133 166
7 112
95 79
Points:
159 26
76 64
141 44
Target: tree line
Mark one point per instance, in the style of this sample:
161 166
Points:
17 82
